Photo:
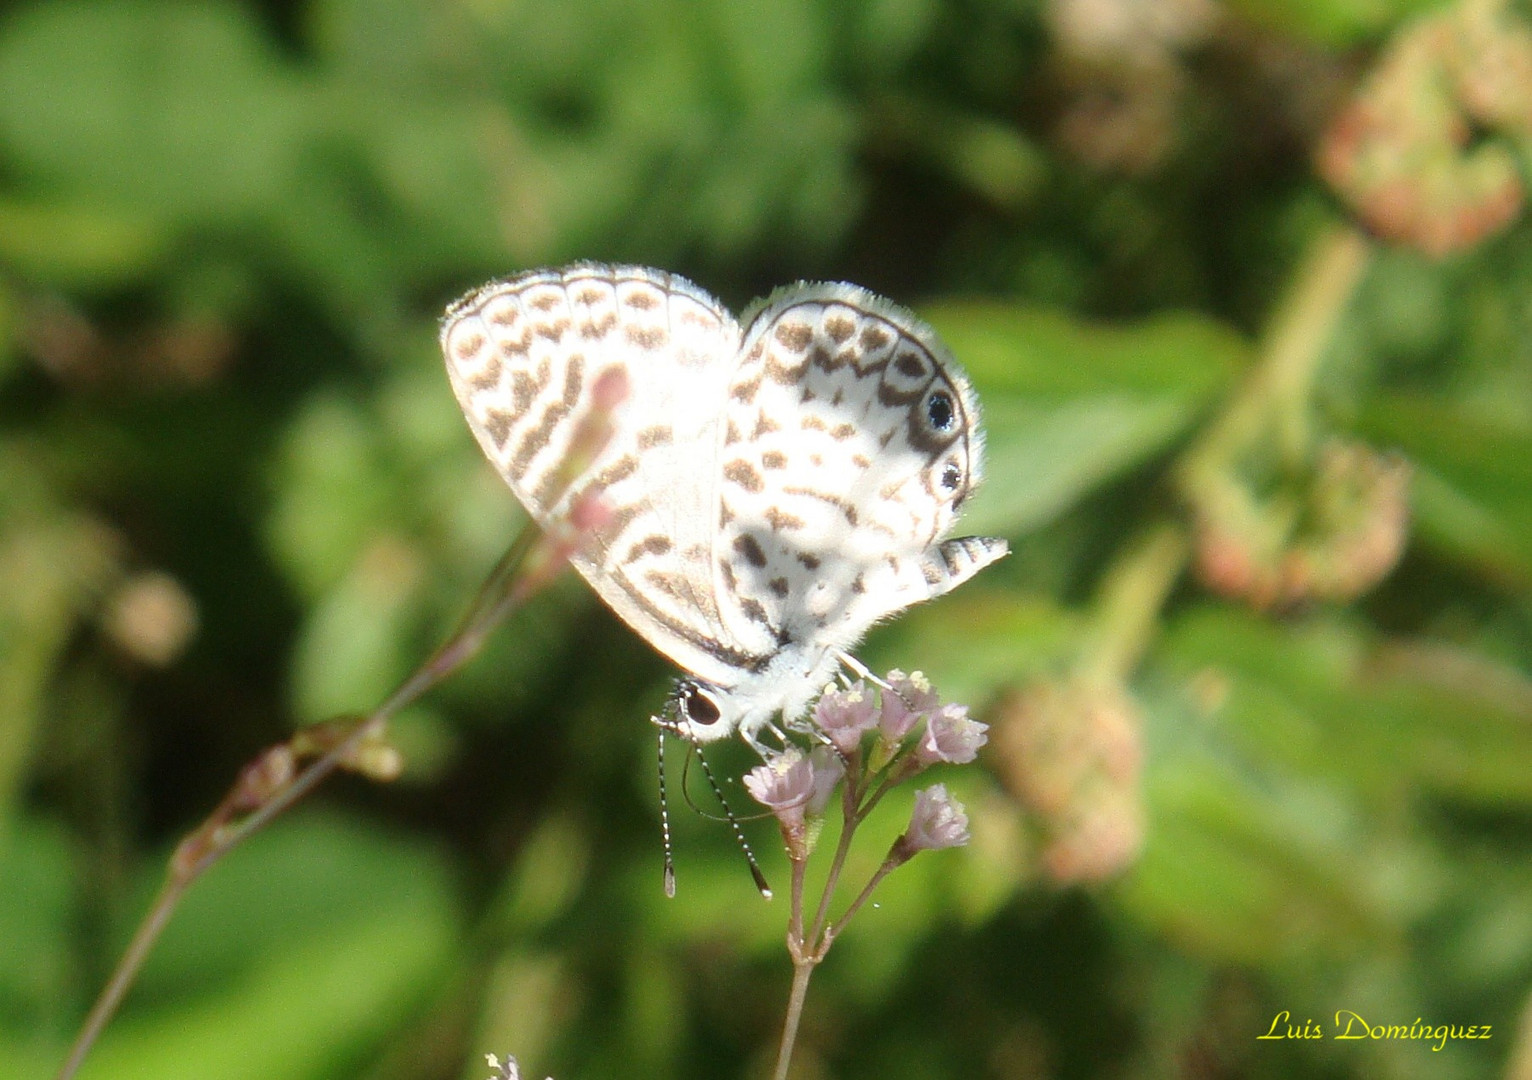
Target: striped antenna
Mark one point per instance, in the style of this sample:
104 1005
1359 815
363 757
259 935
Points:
739 834
665 724
670 863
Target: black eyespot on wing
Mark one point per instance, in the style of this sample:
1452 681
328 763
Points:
700 707
939 410
952 476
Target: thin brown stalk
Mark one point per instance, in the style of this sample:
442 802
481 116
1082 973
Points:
849 821
230 823
856 905
795 917
802 971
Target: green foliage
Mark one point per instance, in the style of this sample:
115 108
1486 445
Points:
236 497
1333 22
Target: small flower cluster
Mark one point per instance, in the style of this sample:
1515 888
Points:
872 738
796 787
869 739
1070 750
1349 532
1427 151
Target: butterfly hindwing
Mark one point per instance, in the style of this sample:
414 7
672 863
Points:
850 441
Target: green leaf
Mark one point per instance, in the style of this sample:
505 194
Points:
37 919
1475 472
1039 352
322 936
1267 871
178 111
975 640
1069 406
1042 459
355 647
289 958
78 245
300 881
1278 775
332 492
1333 22
1325 699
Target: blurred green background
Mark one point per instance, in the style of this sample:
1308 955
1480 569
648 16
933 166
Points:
1247 295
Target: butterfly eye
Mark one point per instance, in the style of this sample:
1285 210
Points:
701 708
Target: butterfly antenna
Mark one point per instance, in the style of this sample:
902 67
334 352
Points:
686 789
670 863
739 834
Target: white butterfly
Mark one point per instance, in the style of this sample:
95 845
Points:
775 490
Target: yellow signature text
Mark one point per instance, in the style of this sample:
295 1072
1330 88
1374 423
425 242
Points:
1350 1025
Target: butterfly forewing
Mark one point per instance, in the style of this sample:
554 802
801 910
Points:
523 355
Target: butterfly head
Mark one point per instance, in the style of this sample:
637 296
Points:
702 713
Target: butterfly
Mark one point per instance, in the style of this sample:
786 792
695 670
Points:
776 485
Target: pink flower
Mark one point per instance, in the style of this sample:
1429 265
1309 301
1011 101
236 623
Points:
938 821
952 736
845 715
909 699
783 785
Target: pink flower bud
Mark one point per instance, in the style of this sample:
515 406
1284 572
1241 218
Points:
951 736
909 699
938 821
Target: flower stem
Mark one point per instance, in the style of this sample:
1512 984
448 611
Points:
795 940
116 989
1276 392
850 818
808 949
840 924
1273 401
1129 600
230 824
803 969
1305 325
899 770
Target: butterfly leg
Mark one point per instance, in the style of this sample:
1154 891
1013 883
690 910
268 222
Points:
860 670
751 733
